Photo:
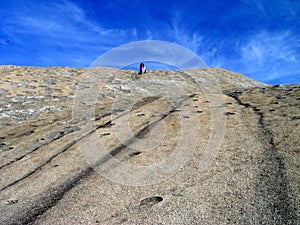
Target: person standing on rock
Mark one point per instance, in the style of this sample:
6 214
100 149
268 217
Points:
142 68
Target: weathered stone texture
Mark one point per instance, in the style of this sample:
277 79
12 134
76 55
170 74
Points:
205 146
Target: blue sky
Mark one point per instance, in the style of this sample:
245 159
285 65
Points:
260 39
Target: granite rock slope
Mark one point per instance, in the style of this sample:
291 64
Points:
108 146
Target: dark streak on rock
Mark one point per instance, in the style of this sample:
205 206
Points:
229 113
105 134
295 118
175 110
55 136
273 189
48 199
134 153
145 101
141 133
151 201
105 125
26 133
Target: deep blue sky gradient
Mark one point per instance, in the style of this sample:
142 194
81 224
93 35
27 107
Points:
258 38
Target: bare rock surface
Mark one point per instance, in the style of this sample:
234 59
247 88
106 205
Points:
108 146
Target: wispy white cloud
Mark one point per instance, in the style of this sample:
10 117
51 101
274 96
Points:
261 9
183 36
61 24
267 56
271 10
290 8
263 46
149 35
257 7
60 20
277 54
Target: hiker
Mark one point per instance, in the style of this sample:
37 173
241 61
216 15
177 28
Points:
142 68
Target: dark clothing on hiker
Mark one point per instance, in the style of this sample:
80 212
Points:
142 68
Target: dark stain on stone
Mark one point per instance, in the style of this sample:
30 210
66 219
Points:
26 133
175 110
151 201
106 125
228 113
145 101
11 202
118 149
116 111
8 148
193 95
296 118
105 134
144 132
273 188
134 153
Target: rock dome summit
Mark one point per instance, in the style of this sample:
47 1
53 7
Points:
108 146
